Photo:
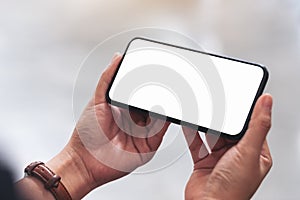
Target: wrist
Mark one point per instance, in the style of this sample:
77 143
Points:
74 175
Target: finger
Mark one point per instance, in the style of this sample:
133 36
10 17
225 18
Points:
265 158
106 79
155 140
217 142
139 117
197 148
259 125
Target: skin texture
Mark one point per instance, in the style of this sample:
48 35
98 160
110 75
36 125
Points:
103 133
234 170
109 143
117 128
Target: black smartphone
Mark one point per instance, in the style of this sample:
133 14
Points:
204 91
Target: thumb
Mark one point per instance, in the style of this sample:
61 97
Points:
106 79
259 125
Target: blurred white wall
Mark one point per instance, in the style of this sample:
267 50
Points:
42 44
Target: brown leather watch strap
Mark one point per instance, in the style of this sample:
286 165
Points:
49 178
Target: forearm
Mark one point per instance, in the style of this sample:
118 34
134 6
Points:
31 188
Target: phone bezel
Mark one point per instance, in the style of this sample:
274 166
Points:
184 123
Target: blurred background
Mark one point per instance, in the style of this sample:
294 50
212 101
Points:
43 43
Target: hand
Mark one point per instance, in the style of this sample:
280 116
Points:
234 170
108 142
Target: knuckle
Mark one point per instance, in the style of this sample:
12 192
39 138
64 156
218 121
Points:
270 163
267 163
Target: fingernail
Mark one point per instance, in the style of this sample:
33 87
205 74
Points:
115 55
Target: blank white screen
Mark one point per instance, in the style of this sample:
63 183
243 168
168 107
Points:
205 90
